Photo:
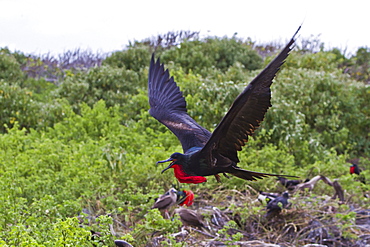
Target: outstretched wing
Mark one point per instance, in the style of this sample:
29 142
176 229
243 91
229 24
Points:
246 113
168 106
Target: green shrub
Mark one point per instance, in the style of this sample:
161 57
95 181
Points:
30 110
319 107
320 61
358 66
133 58
220 53
10 69
114 85
17 105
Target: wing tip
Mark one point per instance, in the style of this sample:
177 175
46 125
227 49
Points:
155 64
296 32
291 43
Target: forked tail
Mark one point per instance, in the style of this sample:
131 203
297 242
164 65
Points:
250 175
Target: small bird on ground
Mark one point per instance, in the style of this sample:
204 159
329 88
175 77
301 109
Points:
173 197
207 153
165 201
275 206
190 217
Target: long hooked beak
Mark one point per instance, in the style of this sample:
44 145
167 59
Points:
167 160
164 161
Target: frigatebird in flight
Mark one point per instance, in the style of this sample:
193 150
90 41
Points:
207 153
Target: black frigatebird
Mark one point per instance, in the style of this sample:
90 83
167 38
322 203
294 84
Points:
275 206
354 169
185 197
207 153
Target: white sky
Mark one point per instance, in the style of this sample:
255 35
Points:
40 26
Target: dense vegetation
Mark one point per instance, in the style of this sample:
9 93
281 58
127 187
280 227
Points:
78 147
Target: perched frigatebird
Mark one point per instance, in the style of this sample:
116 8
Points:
185 197
207 153
354 169
275 206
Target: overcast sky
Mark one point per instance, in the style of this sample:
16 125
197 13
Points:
41 26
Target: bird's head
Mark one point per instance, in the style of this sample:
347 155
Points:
286 195
173 158
173 191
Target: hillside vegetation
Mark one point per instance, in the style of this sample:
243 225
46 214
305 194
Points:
78 148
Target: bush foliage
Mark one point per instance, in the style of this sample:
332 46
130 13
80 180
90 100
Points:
78 154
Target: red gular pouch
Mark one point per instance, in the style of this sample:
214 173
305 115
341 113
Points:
189 198
185 178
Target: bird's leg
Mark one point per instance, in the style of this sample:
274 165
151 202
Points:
218 178
167 215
